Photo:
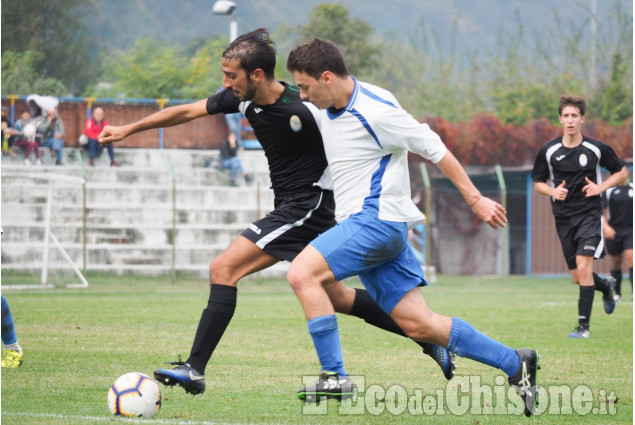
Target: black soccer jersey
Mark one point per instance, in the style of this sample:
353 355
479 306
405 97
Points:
289 135
556 163
619 204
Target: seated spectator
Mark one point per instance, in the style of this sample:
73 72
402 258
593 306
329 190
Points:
7 134
229 159
52 130
25 137
93 127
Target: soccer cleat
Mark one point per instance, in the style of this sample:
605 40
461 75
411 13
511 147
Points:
617 298
329 385
443 357
184 376
524 381
12 359
608 298
581 331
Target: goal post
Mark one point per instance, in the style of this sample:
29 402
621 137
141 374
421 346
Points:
32 205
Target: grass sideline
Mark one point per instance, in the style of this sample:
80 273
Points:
77 342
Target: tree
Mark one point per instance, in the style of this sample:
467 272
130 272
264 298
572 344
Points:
19 75
154 69
55 30
352 36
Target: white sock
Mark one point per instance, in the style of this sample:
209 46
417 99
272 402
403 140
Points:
13 347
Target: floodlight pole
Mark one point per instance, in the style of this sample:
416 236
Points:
233 27
226 7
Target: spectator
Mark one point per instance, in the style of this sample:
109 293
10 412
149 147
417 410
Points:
229 159
52 129
93 127
7 134
26 137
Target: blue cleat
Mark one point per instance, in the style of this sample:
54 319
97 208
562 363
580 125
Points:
443 357
609 297
184 376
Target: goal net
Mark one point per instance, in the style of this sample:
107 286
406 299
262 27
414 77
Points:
43 230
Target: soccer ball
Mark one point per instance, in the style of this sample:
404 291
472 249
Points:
134 394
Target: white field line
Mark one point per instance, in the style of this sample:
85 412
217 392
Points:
112 419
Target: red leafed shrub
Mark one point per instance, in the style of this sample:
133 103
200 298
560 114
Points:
485 140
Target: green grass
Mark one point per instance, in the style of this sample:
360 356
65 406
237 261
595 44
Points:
76 342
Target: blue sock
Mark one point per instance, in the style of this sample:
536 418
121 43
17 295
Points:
326 339
8 329
466 341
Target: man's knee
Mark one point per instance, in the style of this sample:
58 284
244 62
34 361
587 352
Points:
221 271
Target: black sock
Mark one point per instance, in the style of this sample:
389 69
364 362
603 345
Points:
600 284
585 304
214 321
367 309
617 275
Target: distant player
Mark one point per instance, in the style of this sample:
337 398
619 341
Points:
304 206
12 356
567 169
618 231
367 138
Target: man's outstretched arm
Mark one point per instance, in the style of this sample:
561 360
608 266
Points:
485 208
168 117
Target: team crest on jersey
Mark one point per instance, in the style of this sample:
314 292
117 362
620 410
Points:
295 123
583 160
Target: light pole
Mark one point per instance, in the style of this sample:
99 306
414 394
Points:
226 7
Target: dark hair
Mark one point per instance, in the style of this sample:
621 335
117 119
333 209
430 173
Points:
316 56
253 50
570 100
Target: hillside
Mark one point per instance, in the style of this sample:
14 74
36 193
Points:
119 23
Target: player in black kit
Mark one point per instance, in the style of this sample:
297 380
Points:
567 168
304 207
618 231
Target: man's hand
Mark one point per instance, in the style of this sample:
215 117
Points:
112 133
591 189
560 193
490 211
609 232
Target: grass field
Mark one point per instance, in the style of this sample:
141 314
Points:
76 342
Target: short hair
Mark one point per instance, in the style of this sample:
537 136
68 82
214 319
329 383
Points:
316 56
254 50
571 100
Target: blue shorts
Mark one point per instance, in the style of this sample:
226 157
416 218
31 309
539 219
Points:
377 251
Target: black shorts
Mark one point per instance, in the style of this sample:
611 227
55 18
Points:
580 235
623 240
295 221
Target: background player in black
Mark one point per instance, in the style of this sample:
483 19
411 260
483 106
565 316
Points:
618 231
304 208
567 168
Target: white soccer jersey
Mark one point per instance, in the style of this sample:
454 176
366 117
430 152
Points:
367 146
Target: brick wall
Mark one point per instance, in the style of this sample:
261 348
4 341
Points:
203 133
